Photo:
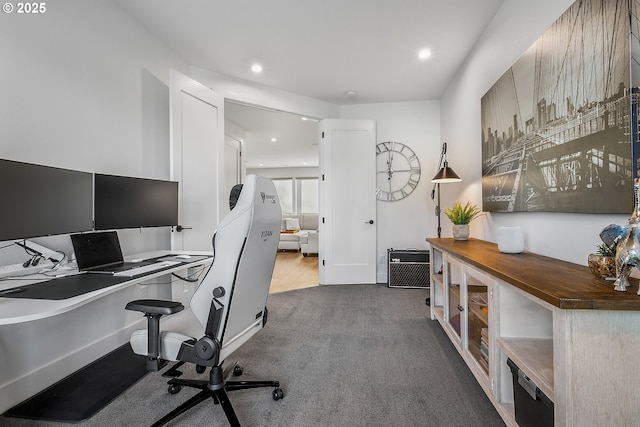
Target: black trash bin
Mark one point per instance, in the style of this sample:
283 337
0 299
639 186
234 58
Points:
533 408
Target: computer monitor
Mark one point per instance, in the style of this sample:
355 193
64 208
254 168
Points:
39 200
127 202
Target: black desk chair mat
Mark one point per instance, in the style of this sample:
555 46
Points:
64 287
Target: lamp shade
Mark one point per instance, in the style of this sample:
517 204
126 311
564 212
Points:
446 174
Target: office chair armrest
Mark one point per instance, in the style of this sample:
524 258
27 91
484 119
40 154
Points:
153 306
153 310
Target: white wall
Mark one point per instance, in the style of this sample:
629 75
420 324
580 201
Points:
234 130
301 172
515 27
85 87
406 223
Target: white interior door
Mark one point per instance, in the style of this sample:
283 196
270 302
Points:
197 159
347 202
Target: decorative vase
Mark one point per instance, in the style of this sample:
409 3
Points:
510 240
461 231
602 266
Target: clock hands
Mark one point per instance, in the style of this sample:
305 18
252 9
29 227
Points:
389 163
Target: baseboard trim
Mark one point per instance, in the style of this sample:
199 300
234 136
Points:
28 385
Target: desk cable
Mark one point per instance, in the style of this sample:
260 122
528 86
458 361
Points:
35 256
190 278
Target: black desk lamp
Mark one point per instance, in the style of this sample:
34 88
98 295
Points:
444 175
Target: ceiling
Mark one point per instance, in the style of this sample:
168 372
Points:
296 142
324 49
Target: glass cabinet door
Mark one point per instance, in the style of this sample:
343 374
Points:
454 307
478 320
437 285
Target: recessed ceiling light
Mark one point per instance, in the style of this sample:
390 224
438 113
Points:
256 68
351 93
274 139
304 118
261 164
424 54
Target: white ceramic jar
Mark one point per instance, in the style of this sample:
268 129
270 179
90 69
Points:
511 240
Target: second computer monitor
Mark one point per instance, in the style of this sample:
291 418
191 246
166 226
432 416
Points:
127 202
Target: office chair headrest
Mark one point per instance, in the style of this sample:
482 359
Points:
234 195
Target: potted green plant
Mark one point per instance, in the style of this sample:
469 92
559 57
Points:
461 215
603 263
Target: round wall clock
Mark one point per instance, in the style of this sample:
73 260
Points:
397 171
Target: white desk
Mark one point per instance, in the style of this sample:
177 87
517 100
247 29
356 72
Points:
43 341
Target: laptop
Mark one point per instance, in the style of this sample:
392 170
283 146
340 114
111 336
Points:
101 253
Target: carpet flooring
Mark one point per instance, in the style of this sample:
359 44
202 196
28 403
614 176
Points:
352 355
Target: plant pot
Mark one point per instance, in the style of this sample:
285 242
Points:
460 231
602 266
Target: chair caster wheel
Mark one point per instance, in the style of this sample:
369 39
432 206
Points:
278 394
174 389
200 369
237 371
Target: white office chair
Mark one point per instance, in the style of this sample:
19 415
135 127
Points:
228 307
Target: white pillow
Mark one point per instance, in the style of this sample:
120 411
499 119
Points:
292 223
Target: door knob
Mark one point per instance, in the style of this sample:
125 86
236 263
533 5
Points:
179 228
369 222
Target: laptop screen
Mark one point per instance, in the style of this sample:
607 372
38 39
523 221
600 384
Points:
94 249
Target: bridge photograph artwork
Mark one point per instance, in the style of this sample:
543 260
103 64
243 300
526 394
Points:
559 127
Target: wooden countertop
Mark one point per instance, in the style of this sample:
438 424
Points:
560 283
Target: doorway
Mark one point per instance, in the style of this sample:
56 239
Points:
284 147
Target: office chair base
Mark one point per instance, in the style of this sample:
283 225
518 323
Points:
216 390
218 396
174 372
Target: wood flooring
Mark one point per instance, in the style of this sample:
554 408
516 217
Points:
294 271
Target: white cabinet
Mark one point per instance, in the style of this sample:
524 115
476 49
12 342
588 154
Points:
570 333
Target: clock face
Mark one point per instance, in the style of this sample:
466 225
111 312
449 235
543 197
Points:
397 171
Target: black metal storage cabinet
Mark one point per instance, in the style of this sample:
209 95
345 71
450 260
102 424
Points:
408 268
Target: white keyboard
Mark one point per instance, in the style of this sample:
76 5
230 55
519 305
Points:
146 268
